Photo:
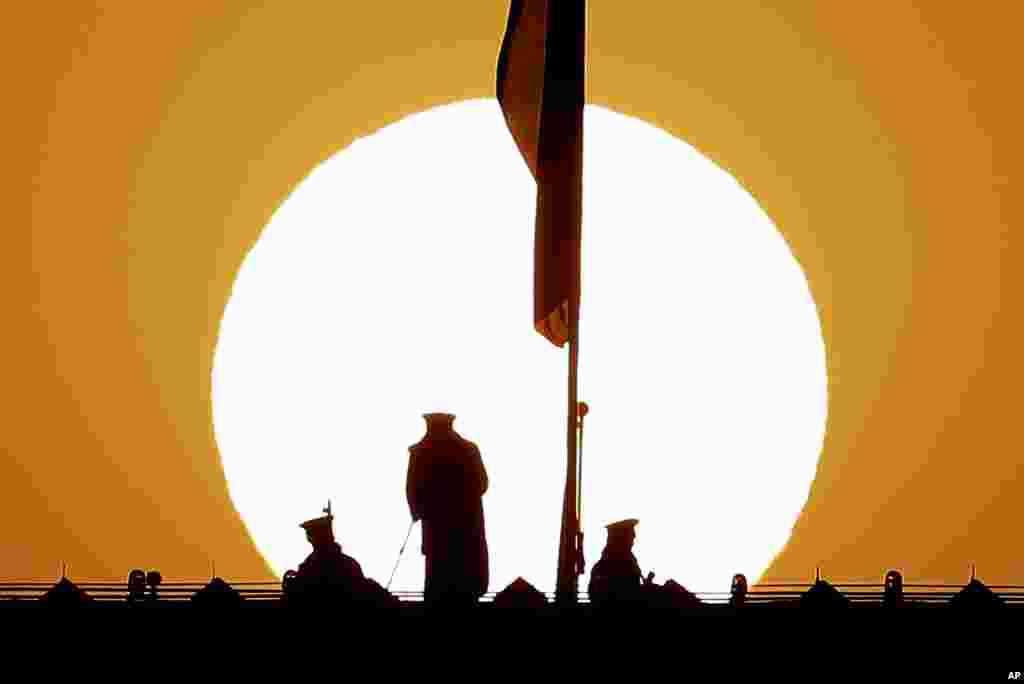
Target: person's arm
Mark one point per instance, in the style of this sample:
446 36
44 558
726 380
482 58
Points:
481 470
413 484
639 573
598 583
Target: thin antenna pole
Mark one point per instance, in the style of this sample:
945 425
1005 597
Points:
401 551
582 409
579 483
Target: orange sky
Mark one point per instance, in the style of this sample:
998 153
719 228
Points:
146 147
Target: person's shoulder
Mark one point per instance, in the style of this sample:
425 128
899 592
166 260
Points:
352 563
307 564
469 445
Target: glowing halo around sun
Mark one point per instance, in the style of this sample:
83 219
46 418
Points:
397 280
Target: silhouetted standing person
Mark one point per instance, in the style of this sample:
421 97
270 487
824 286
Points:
445 483
616 578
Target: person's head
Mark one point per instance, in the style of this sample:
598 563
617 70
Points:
137 582
622 534
319 531
893 582
439 423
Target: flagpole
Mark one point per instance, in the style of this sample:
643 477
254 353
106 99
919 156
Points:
568 579
567 589
542 99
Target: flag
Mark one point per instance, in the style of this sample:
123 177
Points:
540 90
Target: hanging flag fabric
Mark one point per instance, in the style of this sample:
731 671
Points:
540 90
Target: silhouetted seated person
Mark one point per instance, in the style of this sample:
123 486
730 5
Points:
217 594
520 596
615 580
65 594
327 574
445 483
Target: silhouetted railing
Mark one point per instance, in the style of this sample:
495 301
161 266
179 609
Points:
774 593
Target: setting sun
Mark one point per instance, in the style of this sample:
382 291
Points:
396 280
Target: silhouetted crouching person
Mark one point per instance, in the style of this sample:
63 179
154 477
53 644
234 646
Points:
444 485
327 574
616 580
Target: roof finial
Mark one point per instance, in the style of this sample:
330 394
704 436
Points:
328 509
973 571
817 574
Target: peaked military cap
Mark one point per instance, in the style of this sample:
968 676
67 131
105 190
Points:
321 524
622 525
